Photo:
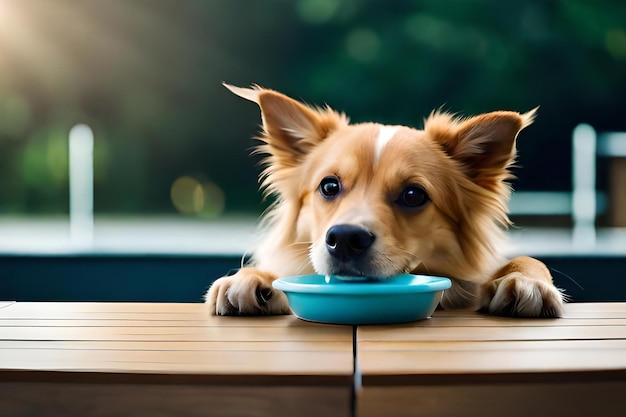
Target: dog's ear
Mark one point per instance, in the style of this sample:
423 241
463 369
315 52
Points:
483 145
291 128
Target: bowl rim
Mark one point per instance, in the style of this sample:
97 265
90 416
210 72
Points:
416 284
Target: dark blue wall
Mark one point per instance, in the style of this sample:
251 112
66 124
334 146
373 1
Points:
110 278
185 278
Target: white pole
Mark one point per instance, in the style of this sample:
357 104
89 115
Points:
584 185
81 185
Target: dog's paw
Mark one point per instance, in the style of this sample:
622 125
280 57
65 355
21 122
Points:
248 292
519 296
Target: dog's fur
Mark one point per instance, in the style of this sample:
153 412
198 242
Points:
429 201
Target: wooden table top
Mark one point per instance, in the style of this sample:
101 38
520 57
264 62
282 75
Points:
588 338
466 364
455 363
179 341
185 339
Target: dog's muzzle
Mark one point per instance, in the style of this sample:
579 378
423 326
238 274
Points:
346 242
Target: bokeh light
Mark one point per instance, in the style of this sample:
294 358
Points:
192 197
317 11
15 115
363 45
616 43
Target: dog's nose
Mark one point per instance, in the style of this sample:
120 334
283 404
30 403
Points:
346 242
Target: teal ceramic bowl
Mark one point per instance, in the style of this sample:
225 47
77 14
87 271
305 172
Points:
350 300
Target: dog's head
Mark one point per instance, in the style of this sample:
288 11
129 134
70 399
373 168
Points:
376 200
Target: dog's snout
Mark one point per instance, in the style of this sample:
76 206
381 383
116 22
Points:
346 242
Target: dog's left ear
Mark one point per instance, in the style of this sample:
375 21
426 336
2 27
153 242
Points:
484 145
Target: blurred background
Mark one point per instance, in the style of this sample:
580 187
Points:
172 145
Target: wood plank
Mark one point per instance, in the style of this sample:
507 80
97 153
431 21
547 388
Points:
78 400
475 321
284 346
400 333
54 307
490 361
570 310
606 307
595 314
105 322
143 320
500 345
489 321
495 400
163 319
170 339
233 334
383 362
474 346
191 312
570 314
221 359
333 363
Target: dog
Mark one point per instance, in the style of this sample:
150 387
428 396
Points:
376 200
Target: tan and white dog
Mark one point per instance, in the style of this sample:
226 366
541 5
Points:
376 200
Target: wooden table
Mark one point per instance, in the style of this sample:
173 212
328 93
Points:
122 359
117 359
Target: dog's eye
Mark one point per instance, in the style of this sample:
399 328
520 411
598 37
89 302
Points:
330 187
412 197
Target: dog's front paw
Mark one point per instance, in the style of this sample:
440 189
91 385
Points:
519 296
248 292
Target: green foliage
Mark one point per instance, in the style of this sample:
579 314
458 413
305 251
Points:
146 76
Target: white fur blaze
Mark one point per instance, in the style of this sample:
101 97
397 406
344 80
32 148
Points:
384 136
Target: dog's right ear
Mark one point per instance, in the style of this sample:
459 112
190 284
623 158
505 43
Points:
292 129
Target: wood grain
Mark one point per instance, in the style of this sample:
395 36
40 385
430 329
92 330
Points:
194 313
175 333
444 361
176 359
465 364
79 400
127 359
169 339
589 337
495 400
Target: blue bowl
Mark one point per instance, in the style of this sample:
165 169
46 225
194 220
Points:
353 300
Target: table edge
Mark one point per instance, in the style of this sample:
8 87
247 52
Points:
551 377
147 378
